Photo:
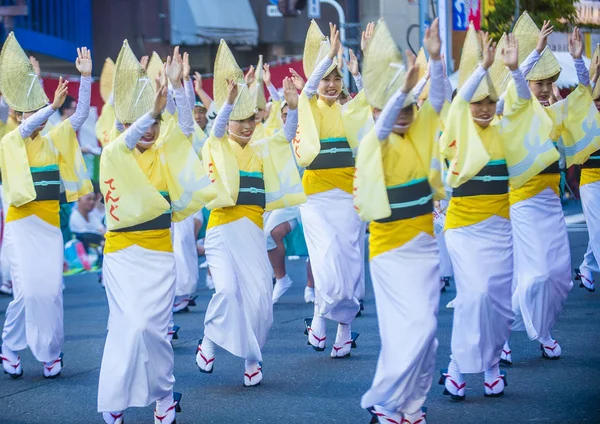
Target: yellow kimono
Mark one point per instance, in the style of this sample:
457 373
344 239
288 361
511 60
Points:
106 130
271 125
409 163
269 160
25 162
334 130
136 185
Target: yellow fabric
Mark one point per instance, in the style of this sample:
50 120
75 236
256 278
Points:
535 186
581 134
224 159
273 123
526 131
396 160
589 175
159 240
105 125
391 235
59 146
470 210
7 127
469 61
316 121
198 139
46 210
130 181
222 216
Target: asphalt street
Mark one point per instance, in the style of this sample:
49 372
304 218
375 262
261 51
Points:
303 386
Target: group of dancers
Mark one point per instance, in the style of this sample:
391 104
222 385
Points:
328 165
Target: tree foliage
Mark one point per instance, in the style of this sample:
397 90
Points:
561 13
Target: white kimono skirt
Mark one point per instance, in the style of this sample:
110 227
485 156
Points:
333 236
439 220
240 313
277 217
34 251
482 259
137 365
186 256
542 261
406 281
590 200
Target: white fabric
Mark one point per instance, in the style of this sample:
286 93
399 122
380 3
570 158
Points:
590 200
78 223
137 365
186 256
240 313
359 289
277 217
406 281
35 316
332 231
482 260
542 263
439 219
4 265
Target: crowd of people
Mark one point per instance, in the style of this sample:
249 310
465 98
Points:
458 186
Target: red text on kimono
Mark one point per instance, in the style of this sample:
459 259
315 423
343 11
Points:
296 143
110 200
211 172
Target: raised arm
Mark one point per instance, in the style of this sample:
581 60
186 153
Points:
267 80
204 97
576 50
220 125
188 84
433 44
291 98
84 66
171 106
29 125
385 123
175 73
353 67
510 55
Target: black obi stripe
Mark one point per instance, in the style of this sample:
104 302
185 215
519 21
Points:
252 191
161 222
333 154
593 161
47 185
552 169
492 179
419 194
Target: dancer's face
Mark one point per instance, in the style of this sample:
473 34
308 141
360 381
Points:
483 112
542 90
242 131
331 85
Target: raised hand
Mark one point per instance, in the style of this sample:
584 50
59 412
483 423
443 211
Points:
366 36
547 29
334 41
144 61
290 94
352 64
266 74
232 91
60 94
432 41
489 51
186 66
36 66
297 80
160 99
174 69
198 83
576 44
250 75
412 74
510 53
84 62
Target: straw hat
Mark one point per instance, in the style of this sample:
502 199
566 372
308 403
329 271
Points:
596 92
107 77
422 62
20 86
257 88
469 61
499 73
546 67
154 68
384 71
133 90
316 48
226 68
527 34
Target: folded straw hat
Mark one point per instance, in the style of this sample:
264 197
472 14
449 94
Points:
19 85
107 77
257 88
226 68
133 90
469 61
154 68
316 48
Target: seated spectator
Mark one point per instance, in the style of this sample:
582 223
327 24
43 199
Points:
85 225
